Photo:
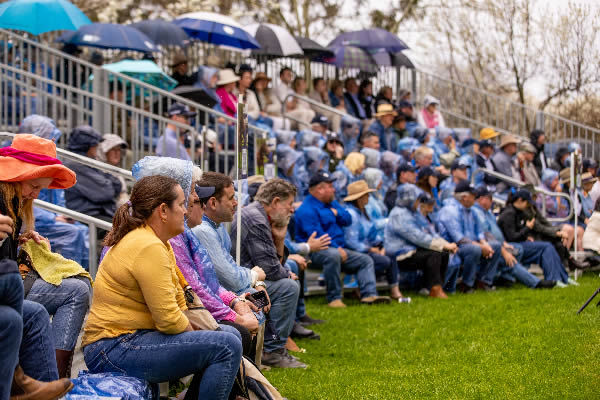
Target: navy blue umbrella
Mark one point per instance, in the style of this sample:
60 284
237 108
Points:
375 38
109 36
216 29
163 33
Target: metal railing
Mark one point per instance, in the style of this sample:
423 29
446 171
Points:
314 104
536 190
91 222
126 93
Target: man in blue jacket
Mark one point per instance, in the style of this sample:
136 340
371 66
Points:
320 213
458 223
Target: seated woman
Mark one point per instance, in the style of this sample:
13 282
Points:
291 167
427 181
26 167
269 105
66 237
111 151
376 208
347 172
430 117
362 236
591 236
192 258
585 199
137 325
300 109
225 87
412 240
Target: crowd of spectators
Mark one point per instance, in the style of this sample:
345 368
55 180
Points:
383 194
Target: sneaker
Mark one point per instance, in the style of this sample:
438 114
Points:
560 284
337 303
307 320
281 359
545 284
578 264
375 300
573 282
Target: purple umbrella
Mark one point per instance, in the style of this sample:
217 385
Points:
375 38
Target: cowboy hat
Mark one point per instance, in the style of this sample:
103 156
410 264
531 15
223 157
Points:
261 75
357 189
508 139
227 76
32 157
587 177
385 109
488 133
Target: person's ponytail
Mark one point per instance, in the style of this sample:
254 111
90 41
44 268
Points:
147 194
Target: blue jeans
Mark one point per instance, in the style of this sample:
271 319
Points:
357 263
156 357
517 272
385 265
544 254
284 300
301 307
36 354
477 267
67 303
11 326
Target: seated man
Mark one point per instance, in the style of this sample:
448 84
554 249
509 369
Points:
510 267
457 223
171 143
96 192
458 172
405 173
283 292
320 213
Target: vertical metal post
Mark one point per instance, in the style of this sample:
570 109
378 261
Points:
93 252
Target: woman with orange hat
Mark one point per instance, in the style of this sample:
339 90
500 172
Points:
26 167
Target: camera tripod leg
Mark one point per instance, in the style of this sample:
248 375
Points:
589 301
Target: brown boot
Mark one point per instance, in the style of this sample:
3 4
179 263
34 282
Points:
438 292
26 388
64 359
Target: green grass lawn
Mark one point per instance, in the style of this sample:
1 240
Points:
512 343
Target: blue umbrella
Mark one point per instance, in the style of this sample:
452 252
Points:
109 36
375 38
40 16
163 33
216 29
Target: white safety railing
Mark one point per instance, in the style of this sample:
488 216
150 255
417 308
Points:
324 109
91 222
534 189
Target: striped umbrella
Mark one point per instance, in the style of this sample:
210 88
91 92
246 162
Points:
352 57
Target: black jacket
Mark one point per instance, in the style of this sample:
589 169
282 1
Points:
9 247
487 179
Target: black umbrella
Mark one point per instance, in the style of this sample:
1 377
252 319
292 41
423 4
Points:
313 49
197 95
163 33
401 60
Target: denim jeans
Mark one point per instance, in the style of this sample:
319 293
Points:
385 265
518 271
301 307
477 267
11 327
284 300
544 254
67 303
36 354
357 263
156 357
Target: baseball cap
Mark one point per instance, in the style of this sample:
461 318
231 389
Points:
334 137
405 104
320 119
319 177
459 164
486 143
482 191
180 109
464 186
204 191
427 171
523 194
425 198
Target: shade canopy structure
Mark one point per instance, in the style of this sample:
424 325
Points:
274 40
109 36
41 16
163 33
216 29
375 38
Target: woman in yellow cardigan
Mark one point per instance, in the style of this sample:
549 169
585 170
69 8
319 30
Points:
137 324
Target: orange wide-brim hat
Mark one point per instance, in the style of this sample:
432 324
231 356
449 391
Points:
32 157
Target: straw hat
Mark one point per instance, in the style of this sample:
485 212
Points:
261 75
357 189
508 139
256 179
588 178
227 76
488 133
385 109
32 157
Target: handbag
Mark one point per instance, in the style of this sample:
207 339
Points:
200 318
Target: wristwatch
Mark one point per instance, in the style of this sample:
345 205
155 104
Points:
260 283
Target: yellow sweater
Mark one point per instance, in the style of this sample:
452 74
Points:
136 288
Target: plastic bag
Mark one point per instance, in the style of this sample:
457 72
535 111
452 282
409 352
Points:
109 386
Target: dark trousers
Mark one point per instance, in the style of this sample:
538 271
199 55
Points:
385 265
432 263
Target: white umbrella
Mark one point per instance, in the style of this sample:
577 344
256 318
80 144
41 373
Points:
274 40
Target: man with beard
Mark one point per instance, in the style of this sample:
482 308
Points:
263 261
